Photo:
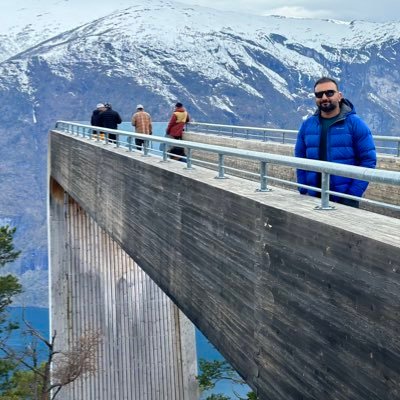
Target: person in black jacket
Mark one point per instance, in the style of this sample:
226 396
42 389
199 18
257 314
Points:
110 119
94 120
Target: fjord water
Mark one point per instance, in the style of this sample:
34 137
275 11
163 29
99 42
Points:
39 317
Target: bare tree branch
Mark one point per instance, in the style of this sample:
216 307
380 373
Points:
80 360
61 367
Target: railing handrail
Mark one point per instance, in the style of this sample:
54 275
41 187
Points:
238 129
253 128
324 167
260 129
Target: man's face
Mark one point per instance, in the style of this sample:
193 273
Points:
327 98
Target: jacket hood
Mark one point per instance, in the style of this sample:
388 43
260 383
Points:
347 107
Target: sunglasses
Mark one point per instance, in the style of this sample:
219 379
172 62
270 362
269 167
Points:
328 93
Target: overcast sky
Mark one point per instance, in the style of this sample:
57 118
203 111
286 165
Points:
346 10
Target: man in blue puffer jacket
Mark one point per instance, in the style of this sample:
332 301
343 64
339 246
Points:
336 134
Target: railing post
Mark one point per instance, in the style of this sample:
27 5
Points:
263 178
283 137
146 148
221 168
117 140
398 149
189 159
163 146
129 143
325 178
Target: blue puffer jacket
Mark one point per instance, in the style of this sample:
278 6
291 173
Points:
349 141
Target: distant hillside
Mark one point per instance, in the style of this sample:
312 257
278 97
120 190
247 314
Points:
225 67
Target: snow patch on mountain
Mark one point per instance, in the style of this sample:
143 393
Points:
44 19
172 50
59 58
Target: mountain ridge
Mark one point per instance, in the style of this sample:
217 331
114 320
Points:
216 52
225 67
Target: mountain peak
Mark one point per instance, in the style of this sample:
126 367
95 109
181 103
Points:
225 67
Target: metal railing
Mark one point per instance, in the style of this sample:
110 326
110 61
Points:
124 139
384 144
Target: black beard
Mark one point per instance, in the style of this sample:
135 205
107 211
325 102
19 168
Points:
327 107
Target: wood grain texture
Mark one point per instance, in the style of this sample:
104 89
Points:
305 304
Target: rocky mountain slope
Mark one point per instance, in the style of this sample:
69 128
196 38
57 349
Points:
57 62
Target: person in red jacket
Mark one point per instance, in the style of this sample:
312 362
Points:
176 125
177 122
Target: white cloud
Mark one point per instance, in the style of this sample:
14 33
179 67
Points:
297 12
377 11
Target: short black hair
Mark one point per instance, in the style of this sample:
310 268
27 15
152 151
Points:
178 105
326 79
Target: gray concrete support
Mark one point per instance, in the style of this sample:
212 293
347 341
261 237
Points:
147 349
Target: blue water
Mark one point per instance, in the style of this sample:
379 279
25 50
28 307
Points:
158 127
36 317
39 319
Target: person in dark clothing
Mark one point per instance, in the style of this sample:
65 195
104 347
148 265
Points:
178 153
110 119
94 120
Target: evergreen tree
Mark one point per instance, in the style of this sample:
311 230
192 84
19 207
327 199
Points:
9 287
9 284
7 252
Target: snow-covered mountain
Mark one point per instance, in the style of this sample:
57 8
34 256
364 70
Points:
58 58
225 67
